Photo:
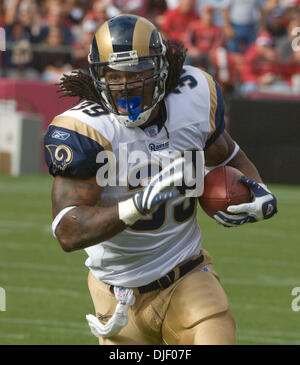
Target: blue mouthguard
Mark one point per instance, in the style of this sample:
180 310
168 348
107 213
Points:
133 102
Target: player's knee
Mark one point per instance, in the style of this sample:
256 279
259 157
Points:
199 313
219 329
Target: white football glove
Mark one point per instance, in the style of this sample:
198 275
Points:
263 206
160 189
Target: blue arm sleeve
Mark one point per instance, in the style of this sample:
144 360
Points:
68 153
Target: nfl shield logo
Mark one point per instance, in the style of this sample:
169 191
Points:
122 292
152 131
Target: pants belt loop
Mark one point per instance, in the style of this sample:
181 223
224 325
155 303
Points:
176 272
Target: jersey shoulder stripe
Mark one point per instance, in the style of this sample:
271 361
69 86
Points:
213 101
216 114
78 126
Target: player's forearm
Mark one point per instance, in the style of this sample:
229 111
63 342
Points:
86 226
242 163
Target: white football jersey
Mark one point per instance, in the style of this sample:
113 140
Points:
152 246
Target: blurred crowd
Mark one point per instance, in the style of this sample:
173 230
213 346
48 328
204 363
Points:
248 45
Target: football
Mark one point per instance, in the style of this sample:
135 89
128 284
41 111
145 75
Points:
222 187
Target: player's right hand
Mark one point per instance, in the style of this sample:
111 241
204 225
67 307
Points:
162 187
263 206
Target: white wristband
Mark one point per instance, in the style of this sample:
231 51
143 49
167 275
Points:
58 218
128 212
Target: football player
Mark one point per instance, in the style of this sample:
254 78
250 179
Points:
150 279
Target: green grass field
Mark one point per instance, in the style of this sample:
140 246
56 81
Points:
46 290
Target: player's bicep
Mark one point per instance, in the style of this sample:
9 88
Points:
70 191
219 150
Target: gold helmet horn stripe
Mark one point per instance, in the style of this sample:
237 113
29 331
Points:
141 37
104 43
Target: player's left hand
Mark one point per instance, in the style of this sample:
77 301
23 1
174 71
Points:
263 206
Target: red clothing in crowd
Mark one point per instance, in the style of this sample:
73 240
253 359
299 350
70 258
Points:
175 23
152 10
206 38
256 65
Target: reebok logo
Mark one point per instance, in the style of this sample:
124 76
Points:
60 135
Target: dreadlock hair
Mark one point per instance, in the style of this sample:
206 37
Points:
79 84
176 56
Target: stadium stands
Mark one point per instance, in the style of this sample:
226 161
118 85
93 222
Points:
46 39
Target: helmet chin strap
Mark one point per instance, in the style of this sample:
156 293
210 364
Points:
141 119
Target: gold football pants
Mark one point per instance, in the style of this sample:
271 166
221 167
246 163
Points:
194 310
